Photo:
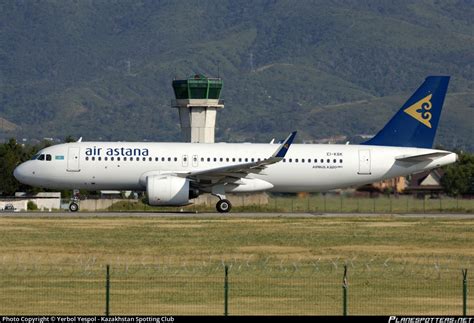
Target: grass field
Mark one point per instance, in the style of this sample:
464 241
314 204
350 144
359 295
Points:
277 265
323 203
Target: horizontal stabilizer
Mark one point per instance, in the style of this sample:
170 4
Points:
421 157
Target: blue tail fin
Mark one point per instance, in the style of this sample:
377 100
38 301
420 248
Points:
415 123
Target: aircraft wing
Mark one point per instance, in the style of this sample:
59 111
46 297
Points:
234 172
421 157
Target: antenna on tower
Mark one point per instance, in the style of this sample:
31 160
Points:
251 63
218 74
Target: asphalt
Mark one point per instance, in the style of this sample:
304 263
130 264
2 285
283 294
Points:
227 215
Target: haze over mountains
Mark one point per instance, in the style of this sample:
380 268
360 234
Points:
103 69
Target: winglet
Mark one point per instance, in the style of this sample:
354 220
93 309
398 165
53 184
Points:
283 149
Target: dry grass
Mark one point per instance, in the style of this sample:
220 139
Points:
277 265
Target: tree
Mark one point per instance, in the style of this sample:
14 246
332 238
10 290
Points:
459 177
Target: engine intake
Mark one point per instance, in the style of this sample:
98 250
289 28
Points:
168 190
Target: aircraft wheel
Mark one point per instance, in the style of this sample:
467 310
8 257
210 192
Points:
223 206
73 207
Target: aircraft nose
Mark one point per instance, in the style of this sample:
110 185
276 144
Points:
20 172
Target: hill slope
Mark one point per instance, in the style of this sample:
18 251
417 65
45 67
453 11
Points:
103 70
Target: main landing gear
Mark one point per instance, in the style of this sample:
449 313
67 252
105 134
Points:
224 205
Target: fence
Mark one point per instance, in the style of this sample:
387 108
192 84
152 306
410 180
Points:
312 203
373 288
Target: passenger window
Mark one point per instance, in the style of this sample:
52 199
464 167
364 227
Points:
137 159
87 157
227 159
290 160
233 159
112 158
93 158
162 158
124 158
202 159
150 159
118 158
185 159
215 159
328 160
322 160
99 158
240 160
41 157
284 160
296 160
208 159
302 160
340 160
105 158
175 159
253 159
315 160
334 161
144 158
157 159
221 159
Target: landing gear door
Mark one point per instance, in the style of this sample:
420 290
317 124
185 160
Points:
364 162
73 159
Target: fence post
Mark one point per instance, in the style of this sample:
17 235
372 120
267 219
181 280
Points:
340 203
390 199
464 292
324 195
107 291
226 291
345 287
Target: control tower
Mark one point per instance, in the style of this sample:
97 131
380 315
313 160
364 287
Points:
197 99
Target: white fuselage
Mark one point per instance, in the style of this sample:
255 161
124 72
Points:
305 168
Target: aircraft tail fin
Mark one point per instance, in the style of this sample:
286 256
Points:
416 122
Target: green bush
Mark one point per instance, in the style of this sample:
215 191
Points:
31 206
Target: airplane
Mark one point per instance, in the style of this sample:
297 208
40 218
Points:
172 174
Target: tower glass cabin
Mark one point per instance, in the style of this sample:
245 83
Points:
198 99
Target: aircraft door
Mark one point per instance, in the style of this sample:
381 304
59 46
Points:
185 161
73 159
364 162
195 161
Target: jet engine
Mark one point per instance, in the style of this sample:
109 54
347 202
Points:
168 190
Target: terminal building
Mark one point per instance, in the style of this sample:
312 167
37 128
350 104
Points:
198 100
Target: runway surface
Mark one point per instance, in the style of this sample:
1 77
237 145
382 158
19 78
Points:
228 215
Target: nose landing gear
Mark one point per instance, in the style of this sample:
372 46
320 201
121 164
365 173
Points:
74 205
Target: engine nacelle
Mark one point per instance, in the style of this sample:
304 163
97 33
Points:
167 190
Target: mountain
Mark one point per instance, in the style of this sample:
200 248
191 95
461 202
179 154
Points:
103 69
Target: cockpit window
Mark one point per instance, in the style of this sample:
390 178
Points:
48 157
41 157
35 157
